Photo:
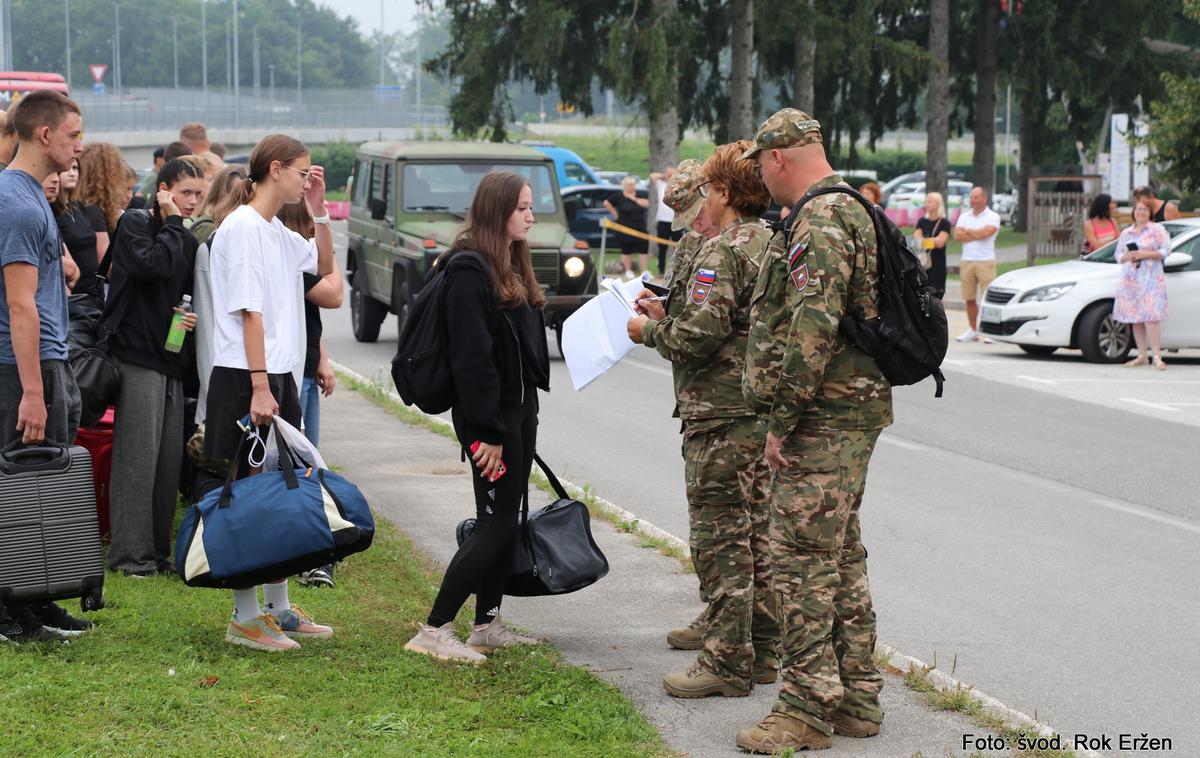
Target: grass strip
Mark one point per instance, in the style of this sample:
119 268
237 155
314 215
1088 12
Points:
156 678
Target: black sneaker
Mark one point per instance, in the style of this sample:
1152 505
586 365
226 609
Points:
318 577
21 625
58 621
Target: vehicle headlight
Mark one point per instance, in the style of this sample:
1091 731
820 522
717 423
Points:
574 266
1051 292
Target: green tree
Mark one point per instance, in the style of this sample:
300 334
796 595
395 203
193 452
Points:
1173 132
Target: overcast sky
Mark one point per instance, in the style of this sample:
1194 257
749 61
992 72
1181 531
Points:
397 14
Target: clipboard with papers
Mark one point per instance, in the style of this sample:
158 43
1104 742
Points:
594 338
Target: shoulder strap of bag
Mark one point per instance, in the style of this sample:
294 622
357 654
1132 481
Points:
554 483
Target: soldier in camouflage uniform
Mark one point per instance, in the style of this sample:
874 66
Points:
704 336
825 402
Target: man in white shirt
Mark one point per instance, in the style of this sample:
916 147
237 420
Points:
976 230
663 216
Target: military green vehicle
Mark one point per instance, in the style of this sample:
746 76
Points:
408 200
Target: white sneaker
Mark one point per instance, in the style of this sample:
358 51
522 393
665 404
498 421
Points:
968 336
495 636
629 274
987 340
441 642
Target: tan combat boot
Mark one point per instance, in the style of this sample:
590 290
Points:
698 681
690 637
763 675
852 726
778 731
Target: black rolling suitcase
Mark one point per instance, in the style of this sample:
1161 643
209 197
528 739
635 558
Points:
49 536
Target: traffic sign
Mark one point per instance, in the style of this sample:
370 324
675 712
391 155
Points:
98 70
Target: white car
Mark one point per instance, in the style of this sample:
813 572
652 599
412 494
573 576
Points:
1069 304
906 205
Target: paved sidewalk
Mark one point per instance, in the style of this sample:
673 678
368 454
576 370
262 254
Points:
615 628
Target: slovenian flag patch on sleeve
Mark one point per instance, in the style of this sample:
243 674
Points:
702 285
794 254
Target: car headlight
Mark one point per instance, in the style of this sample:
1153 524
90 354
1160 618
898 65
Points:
1051 292
574 266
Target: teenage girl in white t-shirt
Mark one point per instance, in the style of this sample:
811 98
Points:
255 262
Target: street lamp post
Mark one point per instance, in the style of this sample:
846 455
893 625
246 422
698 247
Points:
67 17
271 79
175 39
237 83
204 50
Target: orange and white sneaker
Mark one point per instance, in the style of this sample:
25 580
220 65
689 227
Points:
294 622
260 634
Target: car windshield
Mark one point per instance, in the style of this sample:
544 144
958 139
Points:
1107 253
449 187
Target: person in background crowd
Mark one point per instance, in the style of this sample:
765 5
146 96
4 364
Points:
208 163
496 346
255 263
132 198
1162 210
222 184
319 379
728 482
70 271
153 259
103 181
664 216
977 229
8 139
933 232
176 150
83 229
195 136
629 210
1142 292
146 188
218 149
1101 225
872 192
39 399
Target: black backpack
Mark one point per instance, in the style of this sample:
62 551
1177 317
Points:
421 368
909 339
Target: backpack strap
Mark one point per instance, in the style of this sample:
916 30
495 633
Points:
109 326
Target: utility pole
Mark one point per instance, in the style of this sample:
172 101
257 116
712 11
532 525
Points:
117 47
228 56
5 36
418 69
271 76
237 79
1007 134
381 82
67 16
299 57
257 69
204 50
175 38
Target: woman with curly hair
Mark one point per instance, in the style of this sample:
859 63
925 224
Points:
104 181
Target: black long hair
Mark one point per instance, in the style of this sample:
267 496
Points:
1099 207
171 172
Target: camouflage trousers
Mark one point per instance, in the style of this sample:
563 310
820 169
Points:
728 494
820 568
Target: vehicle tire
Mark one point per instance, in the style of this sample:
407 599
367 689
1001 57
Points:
366 313
1042 350
1101 339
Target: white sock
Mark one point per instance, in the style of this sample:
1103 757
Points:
275 597
245 605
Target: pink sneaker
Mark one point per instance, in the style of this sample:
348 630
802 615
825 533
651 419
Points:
294 622
260 634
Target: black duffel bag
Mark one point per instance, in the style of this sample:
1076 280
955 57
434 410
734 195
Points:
553 552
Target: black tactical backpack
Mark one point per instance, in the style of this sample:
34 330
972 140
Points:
421 368
909 339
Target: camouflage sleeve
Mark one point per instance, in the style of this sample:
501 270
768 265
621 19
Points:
707 316
816 298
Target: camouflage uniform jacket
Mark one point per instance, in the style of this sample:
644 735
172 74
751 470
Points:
704 333
800 370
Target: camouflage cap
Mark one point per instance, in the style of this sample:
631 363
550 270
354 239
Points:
786 128
682 193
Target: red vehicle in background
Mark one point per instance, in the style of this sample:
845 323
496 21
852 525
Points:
13 84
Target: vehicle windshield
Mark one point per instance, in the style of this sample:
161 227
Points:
1107 253
449 187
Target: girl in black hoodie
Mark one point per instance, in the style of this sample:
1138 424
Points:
496 341
152 261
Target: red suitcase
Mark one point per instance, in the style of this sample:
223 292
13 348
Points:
98 440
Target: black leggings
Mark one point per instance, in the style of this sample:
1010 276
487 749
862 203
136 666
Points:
481 563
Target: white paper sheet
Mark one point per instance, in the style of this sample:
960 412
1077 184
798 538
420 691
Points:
595 338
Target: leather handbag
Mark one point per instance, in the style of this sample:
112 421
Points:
553 552
270 526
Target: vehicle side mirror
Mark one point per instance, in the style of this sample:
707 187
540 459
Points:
378 209
1177 262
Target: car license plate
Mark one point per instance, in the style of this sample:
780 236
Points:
989 314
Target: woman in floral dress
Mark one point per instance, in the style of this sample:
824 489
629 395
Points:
1142 293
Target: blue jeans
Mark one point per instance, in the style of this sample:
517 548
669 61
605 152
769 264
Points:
310 408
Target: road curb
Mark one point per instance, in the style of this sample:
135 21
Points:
645 528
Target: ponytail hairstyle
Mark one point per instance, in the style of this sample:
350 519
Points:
222 186
486 232
273 147
171 172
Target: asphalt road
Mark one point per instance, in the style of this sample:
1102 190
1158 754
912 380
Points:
1034 529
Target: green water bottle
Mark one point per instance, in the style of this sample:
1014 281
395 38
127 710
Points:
176 333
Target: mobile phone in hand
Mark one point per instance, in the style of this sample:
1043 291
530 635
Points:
1133 246
503 470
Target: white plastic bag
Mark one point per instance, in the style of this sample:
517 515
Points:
304 453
